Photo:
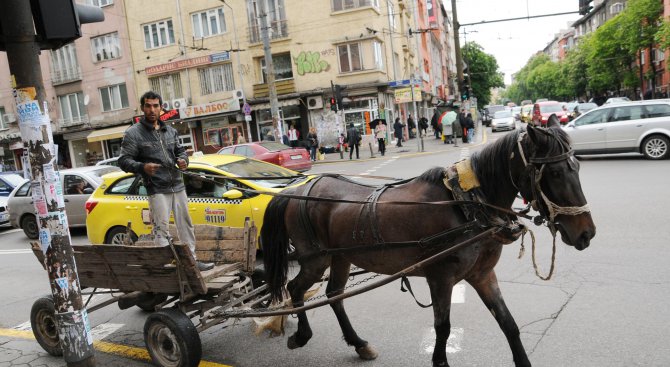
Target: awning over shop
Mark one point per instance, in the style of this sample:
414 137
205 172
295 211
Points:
107 134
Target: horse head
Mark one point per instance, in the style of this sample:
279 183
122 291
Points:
550 180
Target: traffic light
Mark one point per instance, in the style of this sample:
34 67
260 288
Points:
584 7
338 95
58 22
333 104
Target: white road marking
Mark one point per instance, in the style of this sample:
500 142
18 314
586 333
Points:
15 252
465 153
99 332
25 326
13 230
453 343
458 294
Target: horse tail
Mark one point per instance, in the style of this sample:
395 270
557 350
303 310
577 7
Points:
274 240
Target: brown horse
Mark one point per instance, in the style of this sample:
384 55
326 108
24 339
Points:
536 162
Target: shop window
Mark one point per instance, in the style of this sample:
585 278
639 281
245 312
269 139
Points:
114 97
208 23
158 34
217 78
282 66
168 86
106 47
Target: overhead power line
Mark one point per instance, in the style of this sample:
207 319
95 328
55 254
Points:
519 18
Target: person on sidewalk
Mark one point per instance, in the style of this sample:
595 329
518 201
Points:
470 126
353 140
151 149
447 127
397 131
434 123
411 126
313 143
293 136
423 126
380 134
457 130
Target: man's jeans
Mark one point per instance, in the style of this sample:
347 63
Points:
160 206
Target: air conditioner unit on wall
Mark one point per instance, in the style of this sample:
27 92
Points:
167 105
9 117
178 103
238 93
314 102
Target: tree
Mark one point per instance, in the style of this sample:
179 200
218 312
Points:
483 72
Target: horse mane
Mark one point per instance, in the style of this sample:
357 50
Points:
434 175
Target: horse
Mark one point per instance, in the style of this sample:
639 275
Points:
536 162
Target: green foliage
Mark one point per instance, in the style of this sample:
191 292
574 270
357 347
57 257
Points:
483 71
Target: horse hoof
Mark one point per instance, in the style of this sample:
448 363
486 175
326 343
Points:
293 343
441 364
367 352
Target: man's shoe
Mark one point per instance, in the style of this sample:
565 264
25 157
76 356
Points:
204 266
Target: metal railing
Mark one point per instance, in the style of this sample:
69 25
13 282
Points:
65 75
74 121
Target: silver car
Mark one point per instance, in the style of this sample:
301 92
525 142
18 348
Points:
503 120
623 127
78 184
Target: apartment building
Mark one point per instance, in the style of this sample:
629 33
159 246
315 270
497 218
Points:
206 58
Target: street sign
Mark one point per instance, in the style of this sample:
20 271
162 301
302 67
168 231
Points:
246 109
247 118
402 83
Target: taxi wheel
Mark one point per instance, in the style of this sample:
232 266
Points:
117 236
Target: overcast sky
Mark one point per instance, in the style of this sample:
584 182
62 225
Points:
513 42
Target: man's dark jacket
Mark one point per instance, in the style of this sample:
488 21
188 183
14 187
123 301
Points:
144 144
353 136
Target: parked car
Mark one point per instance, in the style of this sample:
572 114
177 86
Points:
526 113
641 127
122 197
78 184
542 111
296 159
516 113
526 102
503 120
8 184
580 109
617 99
489 111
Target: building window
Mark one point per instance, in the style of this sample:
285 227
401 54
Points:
391 10
158 34
114 97
3 124
100 3
64 64
217 78
72 108
106 47
208 23
377 54
353 4
350 57
616 8
276 16
282 66
168 86
642 53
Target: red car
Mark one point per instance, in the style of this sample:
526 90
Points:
296 159
542 111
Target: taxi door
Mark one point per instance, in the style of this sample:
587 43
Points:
207 206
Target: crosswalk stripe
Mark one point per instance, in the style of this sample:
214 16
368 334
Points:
15 252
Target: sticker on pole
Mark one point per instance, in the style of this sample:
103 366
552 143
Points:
61 282
45 240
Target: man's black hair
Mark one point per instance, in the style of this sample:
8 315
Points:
151 95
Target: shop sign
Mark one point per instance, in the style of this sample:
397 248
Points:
167 115
213 108
404 95
188 63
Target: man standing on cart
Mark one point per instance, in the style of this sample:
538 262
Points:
151 149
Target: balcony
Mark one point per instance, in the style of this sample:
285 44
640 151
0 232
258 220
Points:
74 121
283 87
67 75
278 30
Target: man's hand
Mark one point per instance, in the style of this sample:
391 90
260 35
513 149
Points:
181 163
151 168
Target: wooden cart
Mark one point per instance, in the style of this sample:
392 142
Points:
165 281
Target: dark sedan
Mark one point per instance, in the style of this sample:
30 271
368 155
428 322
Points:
296 159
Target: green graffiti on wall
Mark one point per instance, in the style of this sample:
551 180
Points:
308 62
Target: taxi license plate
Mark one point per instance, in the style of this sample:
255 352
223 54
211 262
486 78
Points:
296 157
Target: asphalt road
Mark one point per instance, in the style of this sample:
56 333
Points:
604 306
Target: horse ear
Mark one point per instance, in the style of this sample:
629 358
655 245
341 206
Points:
534 135
553 121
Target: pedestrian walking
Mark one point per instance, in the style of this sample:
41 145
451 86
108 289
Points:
457 130
423 126
313 143
380 134
397 131
240 138
152 149
435 124
353 140
293 136
470 127
411 126
448 119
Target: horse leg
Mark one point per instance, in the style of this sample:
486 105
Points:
339 273
440 292
309 274
486 286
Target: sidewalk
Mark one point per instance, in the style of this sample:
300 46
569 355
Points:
409 148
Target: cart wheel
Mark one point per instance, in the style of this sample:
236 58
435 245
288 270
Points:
172 339
43 322
149 304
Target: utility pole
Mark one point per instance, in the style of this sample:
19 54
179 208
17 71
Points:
270 74
70 316
457 45
419 63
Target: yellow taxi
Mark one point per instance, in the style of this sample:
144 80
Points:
526 113
121 198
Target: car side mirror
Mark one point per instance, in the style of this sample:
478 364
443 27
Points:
233 194
88 190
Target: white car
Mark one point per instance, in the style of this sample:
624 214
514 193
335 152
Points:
624 127
502 120
9 182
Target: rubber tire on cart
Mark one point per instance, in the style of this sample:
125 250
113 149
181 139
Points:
149 305
656 147
29 226
116 235
43 322
171 339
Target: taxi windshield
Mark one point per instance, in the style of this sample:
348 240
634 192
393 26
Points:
253 168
